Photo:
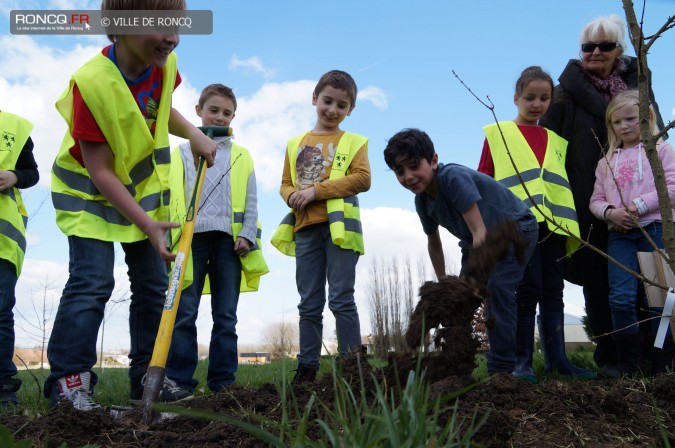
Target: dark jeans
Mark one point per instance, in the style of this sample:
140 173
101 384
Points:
212 254
501 309
7 301
318 260
543 280
72 345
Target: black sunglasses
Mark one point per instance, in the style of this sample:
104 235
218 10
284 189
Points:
604 47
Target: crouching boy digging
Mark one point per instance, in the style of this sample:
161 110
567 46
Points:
467 203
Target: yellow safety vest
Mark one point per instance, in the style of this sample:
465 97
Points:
141 161
14 133
253 266
344 214
547 184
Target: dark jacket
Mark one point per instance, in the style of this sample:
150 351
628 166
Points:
578 115
26 169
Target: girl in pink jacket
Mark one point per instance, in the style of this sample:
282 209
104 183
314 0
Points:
625 196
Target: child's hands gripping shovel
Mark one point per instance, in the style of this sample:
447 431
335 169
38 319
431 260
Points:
154 378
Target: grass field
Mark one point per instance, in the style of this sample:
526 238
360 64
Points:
113 383
113 386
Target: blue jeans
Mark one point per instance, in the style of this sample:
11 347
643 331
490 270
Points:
623 287
7 302
501 309
212 254
318 260
72 345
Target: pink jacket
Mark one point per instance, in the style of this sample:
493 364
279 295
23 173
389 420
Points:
634 176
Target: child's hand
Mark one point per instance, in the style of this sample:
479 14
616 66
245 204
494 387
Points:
301 198
242 246
203 146
479 237
621 218
7 180
155 231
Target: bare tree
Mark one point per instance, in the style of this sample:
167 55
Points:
38 327
392 296
280 339
642 45
119 297
378 311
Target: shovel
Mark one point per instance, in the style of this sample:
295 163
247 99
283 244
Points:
154 377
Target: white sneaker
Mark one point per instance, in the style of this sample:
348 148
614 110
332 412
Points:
75 388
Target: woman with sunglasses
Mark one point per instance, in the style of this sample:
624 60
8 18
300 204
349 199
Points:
578 115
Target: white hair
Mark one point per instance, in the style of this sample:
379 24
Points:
612 27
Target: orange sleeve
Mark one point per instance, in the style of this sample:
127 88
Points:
357 179
287 187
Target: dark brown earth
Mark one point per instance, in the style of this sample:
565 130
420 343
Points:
595 413
554 413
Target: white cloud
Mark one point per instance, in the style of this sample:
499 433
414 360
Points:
73 4
32 239
8 5
272 115
374 95
574 300
29 90
41 284
254 64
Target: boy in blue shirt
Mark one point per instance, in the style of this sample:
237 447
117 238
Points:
467 203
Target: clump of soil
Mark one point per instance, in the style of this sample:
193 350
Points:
448 308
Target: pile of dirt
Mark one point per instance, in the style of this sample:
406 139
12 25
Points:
554 413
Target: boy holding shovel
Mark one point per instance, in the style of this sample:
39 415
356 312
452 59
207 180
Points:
226 250
110 184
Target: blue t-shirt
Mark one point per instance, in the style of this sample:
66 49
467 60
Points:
459 188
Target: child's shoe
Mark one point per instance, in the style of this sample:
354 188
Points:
76 389
304 374
172 392
8 397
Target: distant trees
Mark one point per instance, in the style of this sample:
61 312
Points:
37 325
392 294
281 339
392 297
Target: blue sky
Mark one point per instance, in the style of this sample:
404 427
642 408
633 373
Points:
401 55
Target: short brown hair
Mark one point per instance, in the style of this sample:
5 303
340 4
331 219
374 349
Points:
217 89
338 80
136 5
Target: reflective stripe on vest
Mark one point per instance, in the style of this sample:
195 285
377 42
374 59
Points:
253 266
14 133
547 185
344 215
141 161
